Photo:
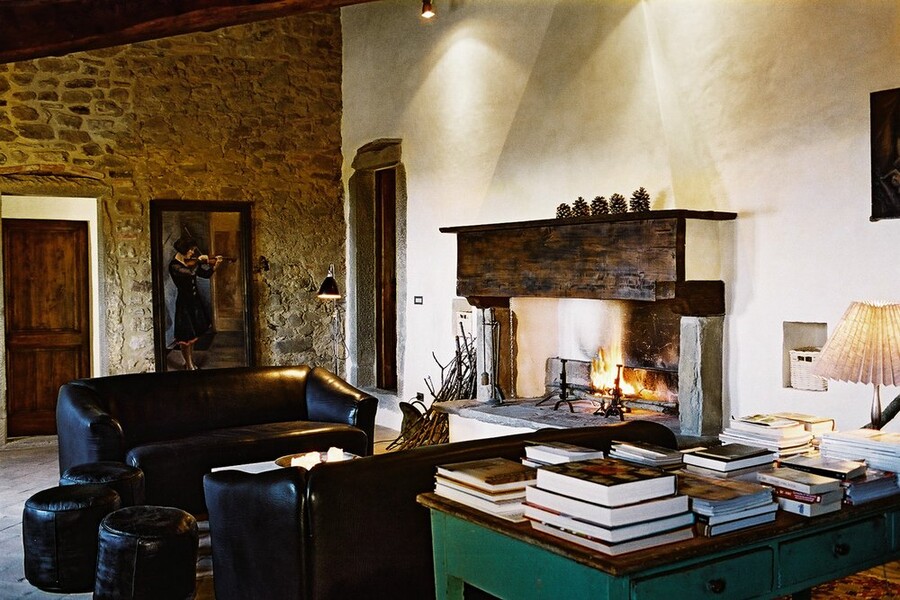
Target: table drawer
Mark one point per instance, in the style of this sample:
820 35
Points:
836 550
738 576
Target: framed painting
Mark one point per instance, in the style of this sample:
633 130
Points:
202 305
885 124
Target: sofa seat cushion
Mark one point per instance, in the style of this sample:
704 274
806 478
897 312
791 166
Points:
174 469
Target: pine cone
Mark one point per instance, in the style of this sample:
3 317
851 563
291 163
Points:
617 204
563 211
599 206
640 200
580 208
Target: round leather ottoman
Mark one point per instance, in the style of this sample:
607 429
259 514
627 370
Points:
147 553
59 533
128 481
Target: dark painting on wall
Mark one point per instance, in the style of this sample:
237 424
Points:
885 109
201 284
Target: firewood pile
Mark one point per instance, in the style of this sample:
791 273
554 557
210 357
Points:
457 383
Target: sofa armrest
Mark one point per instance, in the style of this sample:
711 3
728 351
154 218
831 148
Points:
257 533
85 431
330 399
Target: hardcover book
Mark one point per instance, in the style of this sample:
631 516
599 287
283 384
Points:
553 453
669 537
511 511
710 530
800 481
807 509
493 496
768 507
646 454
728 457
490 474
813 424
718 496
606 482
828 467
604 515
606 534
823 498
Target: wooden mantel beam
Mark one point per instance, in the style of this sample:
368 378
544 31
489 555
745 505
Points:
32 29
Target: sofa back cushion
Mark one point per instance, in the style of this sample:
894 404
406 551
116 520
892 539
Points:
367 506
160 406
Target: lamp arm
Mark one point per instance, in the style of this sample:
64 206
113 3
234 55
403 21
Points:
890 411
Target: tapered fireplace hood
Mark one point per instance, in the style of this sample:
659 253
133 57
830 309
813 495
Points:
631 256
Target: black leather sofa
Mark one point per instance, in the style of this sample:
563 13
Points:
176 426
352 529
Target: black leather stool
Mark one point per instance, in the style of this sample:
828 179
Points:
59 533
147 553
128 481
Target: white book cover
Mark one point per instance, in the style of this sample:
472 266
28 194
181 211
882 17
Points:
604 515
610 535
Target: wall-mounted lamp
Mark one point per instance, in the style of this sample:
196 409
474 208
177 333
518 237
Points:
427 10
329 291
329 288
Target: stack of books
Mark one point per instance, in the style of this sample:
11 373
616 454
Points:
724 505
780 435
728 461
803 493
880 449
608 506
814 424
644 453
493 485
872 485
554 453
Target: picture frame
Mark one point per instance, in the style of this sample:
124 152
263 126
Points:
202 307
885 142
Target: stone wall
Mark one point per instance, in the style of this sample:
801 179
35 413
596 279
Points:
249 113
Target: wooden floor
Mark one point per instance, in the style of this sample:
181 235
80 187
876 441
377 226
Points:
30 465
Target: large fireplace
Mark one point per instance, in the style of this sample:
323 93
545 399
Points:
662 272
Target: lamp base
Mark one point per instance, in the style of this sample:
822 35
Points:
876 409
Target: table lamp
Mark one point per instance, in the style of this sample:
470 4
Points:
864 348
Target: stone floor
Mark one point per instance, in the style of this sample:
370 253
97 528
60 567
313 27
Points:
29 465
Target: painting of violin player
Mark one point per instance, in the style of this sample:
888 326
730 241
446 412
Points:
192 318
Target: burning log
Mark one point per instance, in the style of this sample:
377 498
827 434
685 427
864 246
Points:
457 383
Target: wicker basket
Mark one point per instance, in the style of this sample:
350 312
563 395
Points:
802 378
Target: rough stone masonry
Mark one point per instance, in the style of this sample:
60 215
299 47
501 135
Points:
249 113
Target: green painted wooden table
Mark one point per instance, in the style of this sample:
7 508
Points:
513 561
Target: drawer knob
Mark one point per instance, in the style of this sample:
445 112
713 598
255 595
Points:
716 586
841 549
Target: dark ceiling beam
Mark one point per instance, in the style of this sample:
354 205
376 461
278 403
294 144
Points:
35 28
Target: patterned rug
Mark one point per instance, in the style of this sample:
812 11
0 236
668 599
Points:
858 586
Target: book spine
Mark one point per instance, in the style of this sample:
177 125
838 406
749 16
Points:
799 496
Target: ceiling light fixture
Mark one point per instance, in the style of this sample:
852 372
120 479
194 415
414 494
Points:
427 10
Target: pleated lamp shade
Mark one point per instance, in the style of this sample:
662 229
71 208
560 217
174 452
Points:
864 348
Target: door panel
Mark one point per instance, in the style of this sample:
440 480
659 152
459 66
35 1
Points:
46 292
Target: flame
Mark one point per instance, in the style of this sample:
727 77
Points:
604 369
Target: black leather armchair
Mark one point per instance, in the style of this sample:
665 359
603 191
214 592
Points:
353 529
176 426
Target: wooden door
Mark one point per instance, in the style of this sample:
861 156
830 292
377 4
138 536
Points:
47 310
386 279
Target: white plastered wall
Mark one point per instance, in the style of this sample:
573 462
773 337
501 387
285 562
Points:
760 107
